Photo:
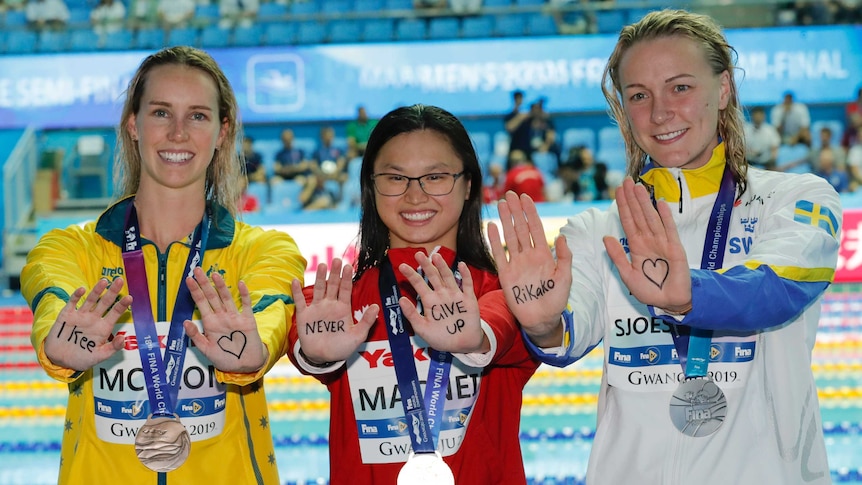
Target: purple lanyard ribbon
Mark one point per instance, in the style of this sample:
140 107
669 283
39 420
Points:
162 380
693 344
424 415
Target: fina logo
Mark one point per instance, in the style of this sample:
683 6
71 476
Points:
195 407
653 355
276 83
402 427
714 352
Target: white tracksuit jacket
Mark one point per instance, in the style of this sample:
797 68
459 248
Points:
763 306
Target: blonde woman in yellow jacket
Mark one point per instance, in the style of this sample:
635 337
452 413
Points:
114 300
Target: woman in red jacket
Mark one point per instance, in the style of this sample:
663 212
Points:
425 305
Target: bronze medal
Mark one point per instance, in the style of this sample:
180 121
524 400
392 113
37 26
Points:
162 444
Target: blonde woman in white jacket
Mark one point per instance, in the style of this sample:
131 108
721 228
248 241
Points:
702 280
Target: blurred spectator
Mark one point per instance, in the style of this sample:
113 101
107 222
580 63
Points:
358 131
824 144
761 140
175 14
330 159
144 14
248 202
524 177
13 5
254 168
792 120
315 195
517 124
237 13
572 21
583 177
463 7
854 161
290 161
829 170
495 184
543 135
46 14
846 11
108 16
425 4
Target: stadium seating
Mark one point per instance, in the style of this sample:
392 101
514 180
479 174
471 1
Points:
442 28
573 137
50 41
207 14
119 40
539 24
83 41
378 30
310 32
281 33
214 36
149 39
21 42
285 196
344 31
410 29
247 36
511 25
477 27
271 11
183 36
369 6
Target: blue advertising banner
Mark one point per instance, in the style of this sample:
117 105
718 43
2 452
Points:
470 78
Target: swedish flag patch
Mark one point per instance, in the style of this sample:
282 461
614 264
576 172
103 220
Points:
813 214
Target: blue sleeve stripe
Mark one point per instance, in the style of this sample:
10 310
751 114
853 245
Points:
795 273
750 299
569 338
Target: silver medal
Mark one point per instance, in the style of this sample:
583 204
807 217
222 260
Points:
425 469
162 444
698 407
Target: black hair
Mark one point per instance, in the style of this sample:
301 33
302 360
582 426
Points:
373 233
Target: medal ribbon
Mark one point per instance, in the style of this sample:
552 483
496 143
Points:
424 428
693 344
162 380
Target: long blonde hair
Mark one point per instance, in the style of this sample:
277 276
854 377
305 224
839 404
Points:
719 54
227 168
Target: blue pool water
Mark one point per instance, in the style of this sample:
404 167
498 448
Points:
558 417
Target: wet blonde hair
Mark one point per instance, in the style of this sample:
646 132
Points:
227 169
704 31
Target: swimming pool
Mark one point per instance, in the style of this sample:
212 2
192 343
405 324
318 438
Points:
558 417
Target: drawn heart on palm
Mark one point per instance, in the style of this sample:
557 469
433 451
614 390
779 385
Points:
233 346
656 271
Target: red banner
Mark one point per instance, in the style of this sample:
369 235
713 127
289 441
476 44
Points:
849 268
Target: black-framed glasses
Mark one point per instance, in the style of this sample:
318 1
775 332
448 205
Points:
393 184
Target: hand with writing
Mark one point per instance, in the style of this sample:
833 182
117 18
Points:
230 339
326 328
535 284
451 313
81 337
658 272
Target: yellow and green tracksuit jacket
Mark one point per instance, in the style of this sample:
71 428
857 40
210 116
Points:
225 413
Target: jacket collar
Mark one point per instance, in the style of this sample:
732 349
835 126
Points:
112 222
702 181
